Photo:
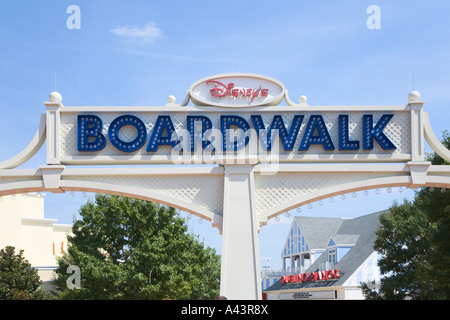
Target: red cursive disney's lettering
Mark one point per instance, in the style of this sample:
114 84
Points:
221 90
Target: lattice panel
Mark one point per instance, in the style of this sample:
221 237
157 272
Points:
206 191
273 190
397 130
4 180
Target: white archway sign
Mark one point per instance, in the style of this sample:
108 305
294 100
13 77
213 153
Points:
237 158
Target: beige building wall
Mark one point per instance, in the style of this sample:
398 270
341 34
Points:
32 205
23 226
37 239
9 222
60 232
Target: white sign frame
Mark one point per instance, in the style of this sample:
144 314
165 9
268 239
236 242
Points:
237 198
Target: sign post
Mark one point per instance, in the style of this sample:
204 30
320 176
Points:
240 249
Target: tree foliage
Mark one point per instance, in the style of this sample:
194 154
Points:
18 280
414 240
131 249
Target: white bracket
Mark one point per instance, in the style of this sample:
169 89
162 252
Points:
51 175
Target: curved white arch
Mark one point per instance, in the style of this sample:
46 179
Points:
432 140
30 150
393 181
27 186
87 186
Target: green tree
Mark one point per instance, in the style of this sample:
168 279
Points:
414 240
435 204
18 280
132 249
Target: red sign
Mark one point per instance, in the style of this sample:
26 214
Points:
313 276
227 90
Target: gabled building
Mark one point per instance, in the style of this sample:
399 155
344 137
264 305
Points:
326 258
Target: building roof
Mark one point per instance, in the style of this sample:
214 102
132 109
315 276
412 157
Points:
361 229
344 239
317 231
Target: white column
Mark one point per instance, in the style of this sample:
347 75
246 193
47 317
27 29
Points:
418 167
52 128
417 134
240 272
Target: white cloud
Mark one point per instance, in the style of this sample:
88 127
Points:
147 33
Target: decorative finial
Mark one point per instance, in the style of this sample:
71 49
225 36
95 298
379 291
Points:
55 97
414 96
302 99
170 100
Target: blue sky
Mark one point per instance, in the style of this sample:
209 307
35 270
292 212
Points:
140 52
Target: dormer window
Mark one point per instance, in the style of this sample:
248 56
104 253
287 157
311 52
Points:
339 245
332 256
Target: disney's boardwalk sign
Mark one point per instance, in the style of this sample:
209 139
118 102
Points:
236 118
257 158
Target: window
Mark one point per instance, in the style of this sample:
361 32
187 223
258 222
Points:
332 255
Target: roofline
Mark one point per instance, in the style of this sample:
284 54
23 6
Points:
374 252
296 218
